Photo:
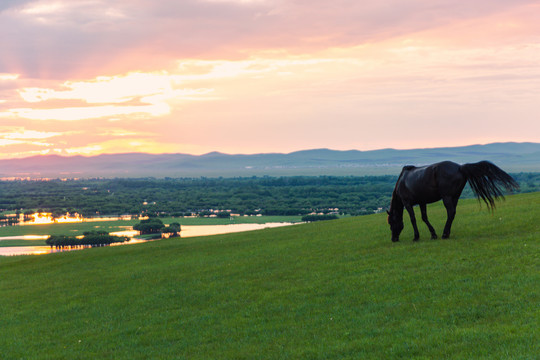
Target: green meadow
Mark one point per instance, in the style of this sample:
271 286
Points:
327 290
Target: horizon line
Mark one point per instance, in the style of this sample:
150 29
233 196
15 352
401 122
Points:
262 153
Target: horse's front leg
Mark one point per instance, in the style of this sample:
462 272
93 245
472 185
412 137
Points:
450 204
410 210
423 209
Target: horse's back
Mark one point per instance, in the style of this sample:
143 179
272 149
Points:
448 170
427 184
450 179
447 167
417 184
443 167
408 167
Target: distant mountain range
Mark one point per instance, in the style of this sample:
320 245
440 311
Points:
512 157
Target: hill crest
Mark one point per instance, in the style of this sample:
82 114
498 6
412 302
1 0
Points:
513 157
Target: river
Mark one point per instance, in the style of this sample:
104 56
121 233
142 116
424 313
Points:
187 231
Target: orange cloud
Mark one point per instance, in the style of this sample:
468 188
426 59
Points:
148 93
22 134
6 77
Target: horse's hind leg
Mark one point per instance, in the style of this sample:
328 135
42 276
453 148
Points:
423 209
410 210
450 204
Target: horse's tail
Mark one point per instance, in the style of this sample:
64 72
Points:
487 180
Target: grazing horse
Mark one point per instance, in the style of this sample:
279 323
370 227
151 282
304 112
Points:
444 180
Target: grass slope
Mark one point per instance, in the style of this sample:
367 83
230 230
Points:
333 290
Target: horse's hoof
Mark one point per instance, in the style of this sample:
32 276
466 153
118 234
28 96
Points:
445 236
416 239
433 237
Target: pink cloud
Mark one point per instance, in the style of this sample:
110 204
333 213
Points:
61 39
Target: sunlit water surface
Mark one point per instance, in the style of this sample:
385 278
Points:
187 231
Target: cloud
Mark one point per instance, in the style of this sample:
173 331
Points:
150 95
135 93
104 89
9 4
10 137
6 142
22 134
82 113
6 77
57 38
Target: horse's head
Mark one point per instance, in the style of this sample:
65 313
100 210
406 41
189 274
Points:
395 221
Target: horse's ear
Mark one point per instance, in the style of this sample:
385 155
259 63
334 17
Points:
388 212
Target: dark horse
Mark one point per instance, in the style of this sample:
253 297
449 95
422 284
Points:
444 180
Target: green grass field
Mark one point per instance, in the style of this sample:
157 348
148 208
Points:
330 290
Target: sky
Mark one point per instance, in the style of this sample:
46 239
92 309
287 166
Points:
86 77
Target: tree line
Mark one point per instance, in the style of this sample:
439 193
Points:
154 225
89 238
300 195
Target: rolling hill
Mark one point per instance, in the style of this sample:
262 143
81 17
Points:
334 290
513 157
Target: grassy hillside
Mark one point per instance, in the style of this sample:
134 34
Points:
333 290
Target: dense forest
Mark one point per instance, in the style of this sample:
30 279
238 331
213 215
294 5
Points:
185 196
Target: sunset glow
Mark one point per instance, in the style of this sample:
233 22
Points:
251 76
46 218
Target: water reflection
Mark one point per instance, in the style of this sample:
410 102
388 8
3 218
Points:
25 237
30 250
41 250
187 231
44 218
203 230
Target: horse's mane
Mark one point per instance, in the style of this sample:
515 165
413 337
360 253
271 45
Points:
395 197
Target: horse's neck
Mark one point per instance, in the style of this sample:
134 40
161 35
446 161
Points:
396 204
